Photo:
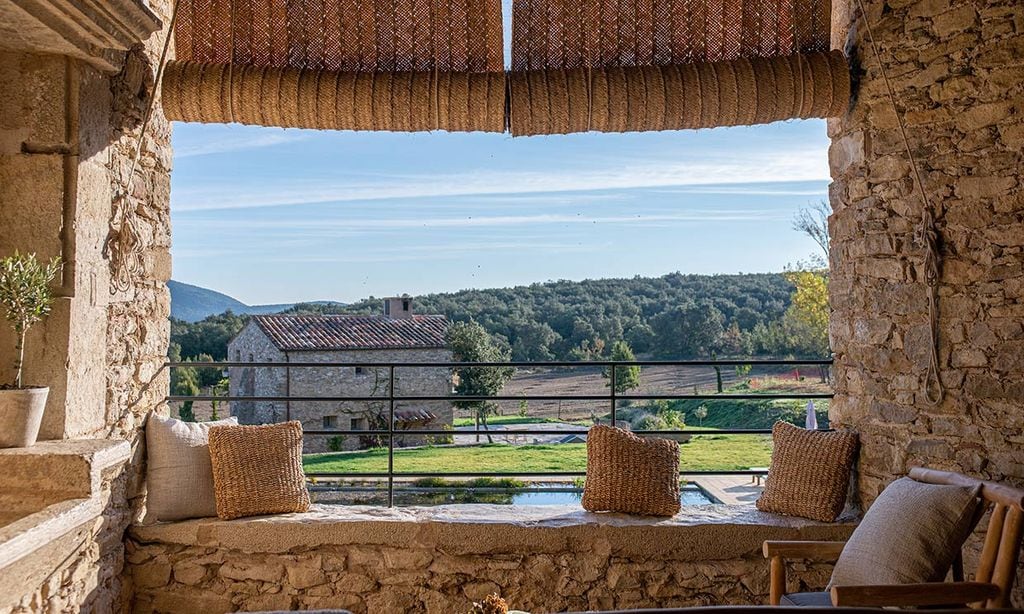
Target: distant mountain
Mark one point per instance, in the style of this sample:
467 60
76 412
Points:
192 303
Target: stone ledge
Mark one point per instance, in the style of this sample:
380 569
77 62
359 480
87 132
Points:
50 490
52 471
700 533
78 28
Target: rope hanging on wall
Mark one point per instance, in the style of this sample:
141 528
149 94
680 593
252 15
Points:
926 235
403 65
123 246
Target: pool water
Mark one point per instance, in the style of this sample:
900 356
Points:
688 496
564 495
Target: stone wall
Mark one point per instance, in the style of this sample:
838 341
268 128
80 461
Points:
549 559
79 571
67 137
251 344
957 69
101 348
73 514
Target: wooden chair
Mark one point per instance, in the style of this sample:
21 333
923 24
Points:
993 579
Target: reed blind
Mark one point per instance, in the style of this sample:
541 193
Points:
339 64
577 65
635 65
561 34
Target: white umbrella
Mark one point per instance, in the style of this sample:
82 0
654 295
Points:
811 423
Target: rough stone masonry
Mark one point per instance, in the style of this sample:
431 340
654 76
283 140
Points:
440 560
101 352
957 69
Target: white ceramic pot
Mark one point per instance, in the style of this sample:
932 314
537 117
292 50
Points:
21 413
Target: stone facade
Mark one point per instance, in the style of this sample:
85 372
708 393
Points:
957 69
67 137
251 344
551 559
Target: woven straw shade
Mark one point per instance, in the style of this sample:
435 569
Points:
637 65
578 65
705 95
607 33
342 35
399 65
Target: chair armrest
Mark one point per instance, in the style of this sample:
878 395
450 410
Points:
907 595
819 551
778 551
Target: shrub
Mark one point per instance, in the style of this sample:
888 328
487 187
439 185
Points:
336 443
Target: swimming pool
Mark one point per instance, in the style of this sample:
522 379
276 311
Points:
550 494
690 495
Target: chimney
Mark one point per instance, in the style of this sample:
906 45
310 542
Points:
398 307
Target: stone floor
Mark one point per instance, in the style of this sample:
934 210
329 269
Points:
730 489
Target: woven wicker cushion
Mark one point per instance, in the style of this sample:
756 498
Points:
911 533
178 474
631 474
258 470
809 473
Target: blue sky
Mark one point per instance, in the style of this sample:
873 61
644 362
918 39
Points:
271 215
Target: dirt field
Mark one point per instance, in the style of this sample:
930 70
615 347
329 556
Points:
588 381
653 380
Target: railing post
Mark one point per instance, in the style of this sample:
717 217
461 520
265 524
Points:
613 396
391 436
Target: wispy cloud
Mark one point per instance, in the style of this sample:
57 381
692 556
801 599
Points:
756 189
236 143
312 228
795 165
393 253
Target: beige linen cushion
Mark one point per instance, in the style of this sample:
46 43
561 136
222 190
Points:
258 470
911 533
626 473
809 473
179 476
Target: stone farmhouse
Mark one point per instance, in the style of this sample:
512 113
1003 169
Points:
396 336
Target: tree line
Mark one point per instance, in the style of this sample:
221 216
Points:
673 317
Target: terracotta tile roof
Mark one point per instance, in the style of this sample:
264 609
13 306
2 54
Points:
340 332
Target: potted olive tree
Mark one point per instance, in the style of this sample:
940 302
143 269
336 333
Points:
25 296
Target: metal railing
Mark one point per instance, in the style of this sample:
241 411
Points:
612 397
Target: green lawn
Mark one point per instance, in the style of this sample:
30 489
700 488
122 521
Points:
703 452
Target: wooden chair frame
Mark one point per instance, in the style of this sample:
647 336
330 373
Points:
993 579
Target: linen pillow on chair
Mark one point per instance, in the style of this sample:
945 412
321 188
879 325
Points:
626 473
809 473
179 477
911 534
258 470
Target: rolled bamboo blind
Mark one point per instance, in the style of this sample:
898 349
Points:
578 65
636 65
402 65
328 100
677 97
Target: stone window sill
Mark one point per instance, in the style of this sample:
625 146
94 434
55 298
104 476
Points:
698 533
51 490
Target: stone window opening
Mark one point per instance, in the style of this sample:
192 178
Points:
330 422
360 423
360 371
